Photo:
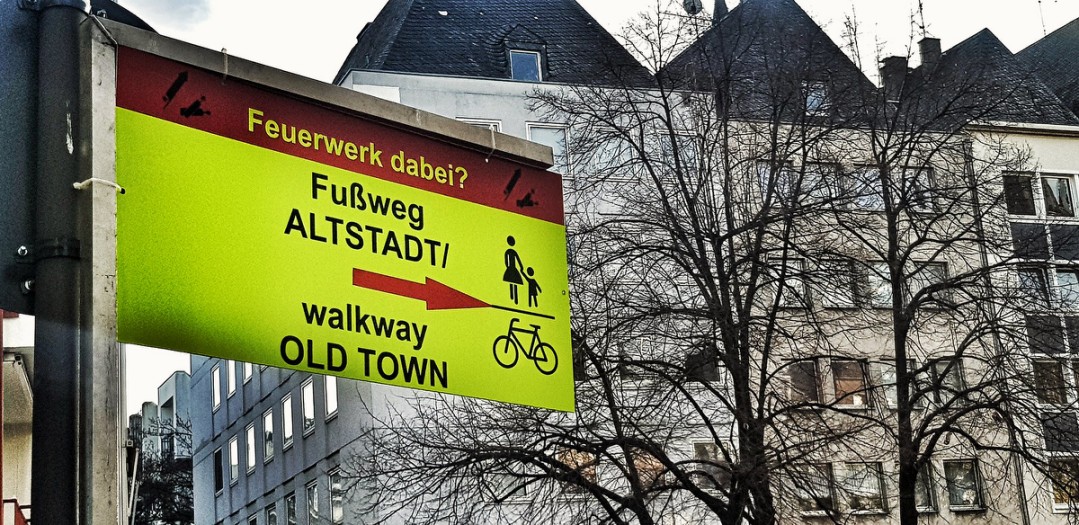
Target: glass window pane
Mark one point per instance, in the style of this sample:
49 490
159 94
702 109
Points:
1057 192
312 502
219 471
923 489
1033 285
1064 474
712 471
555 138
836 284
290 509
525 65
271 515
949 376
849 379
919 188
337 497
879 290
248 370
1068 284
308 407
331 395
804 382
963 486
1049 382
251 448
867 187
234 459
1044 334
215 387
230 374
1019 194
286 421
885 380
862 487
791 284
813 487
267 434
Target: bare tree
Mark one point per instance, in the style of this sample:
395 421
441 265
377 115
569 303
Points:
163 479
784 282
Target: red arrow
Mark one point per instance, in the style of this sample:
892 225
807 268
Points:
437 295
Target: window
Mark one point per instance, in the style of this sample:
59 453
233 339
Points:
337 497
1019 194
779 184
1068 287
1033 285
712 473
650 470
555 138
816 97
1049 382
484 123
250 448
863 487
879 285
525 65
804 382
219 471
1064 475
331 396
271 514
884 378
700 365
230 374
286 422
1059 199
926 274
919 188
850 383
249 369
234 460
267 435
253 519
312 502
964 484
948 378
1044 334
814 488
308 407
924 495
868 194
837 286
290 509
581 462
790 283
215 387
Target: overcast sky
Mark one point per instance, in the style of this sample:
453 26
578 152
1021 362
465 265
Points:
313 38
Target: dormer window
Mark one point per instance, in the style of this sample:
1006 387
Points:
816 96
525 65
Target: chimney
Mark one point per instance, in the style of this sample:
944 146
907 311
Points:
893 71
929 49
720 11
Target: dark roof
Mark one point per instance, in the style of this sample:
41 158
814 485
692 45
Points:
1055 59
761 55
979 79
469 38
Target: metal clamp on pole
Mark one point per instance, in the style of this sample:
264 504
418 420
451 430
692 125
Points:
53 248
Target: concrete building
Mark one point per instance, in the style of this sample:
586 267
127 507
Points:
272 446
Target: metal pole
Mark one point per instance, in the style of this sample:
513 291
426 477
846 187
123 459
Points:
55 469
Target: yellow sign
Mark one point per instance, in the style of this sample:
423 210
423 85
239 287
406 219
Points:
265 229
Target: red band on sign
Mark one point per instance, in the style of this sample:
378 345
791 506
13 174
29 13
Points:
242 111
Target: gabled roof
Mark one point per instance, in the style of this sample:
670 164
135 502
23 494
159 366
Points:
979 79
761 55
1055 59
469 38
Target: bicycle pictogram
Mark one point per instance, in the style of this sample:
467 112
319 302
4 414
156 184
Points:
508 349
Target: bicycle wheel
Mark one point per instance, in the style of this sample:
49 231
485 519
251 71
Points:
506 351
545 358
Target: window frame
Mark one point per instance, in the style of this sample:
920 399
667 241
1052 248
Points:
802 487
1037 189
234 460
311 493
865 390
793 394
249 432
290 508
219 471
976 479
337 496
711 473
230 377
330 384
307 401
482 123
830 273
512 52
287 435
215 387
267 436
1072 477
874 468
561 162
270 511
248 372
